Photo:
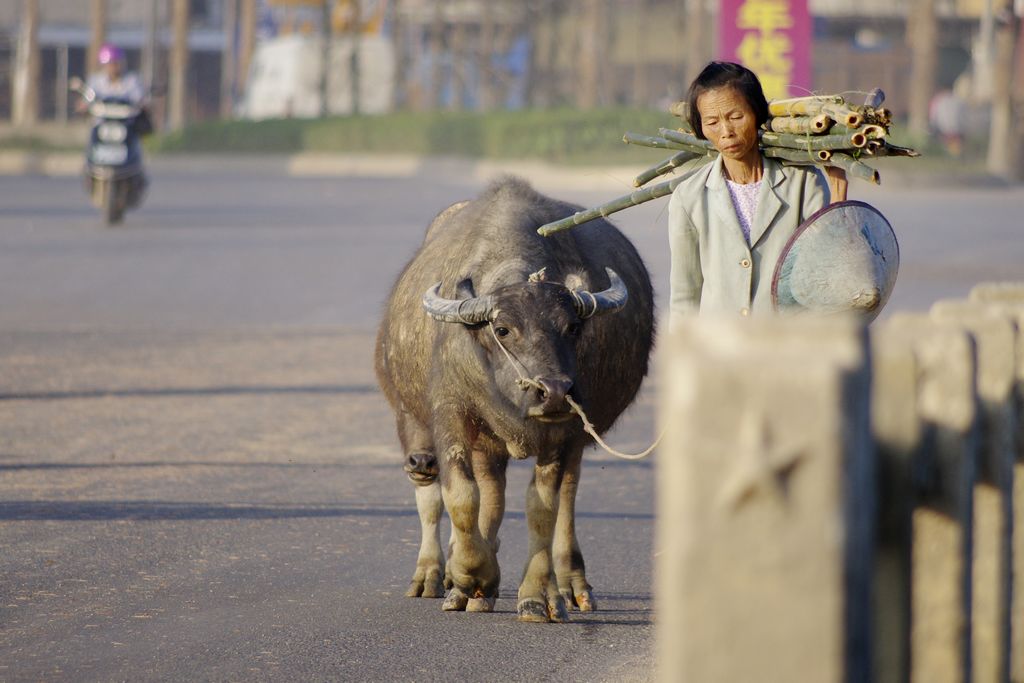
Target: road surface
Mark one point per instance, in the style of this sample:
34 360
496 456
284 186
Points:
200 480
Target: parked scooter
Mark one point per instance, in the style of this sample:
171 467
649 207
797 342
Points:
114 176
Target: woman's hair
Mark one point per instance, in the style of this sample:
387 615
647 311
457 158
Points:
727 74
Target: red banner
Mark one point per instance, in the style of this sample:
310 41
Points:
772 38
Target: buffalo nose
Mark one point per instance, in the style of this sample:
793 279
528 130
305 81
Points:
422 463
552 392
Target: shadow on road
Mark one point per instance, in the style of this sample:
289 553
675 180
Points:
188 391
26 466
103 510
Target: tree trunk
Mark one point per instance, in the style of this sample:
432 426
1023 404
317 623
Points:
484 56
641 72
458 52
149 51
247 41
592 23
433 99
1018 109
922 37
356 31
698 40
399 45
178 91
540 87
98 33
325 54
227 59
25 91
1002 150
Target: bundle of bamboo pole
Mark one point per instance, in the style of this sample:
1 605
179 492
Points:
821 130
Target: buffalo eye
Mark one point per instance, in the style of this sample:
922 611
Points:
501 331
574 329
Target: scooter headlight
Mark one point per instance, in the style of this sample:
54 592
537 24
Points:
112 132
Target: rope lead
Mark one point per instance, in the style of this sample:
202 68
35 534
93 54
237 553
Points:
525 382
588 427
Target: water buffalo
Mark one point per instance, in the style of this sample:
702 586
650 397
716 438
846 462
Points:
514 323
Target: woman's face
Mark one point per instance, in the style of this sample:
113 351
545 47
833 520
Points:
728 122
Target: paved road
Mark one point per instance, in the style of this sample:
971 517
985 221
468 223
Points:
199 479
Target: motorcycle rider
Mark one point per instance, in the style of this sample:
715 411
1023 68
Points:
114 80
114 178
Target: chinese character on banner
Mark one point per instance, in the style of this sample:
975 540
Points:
772 38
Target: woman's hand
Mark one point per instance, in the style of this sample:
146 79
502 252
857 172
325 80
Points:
836 178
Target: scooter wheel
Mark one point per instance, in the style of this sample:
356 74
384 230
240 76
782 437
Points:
113 206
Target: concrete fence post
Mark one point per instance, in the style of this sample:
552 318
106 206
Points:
897 430
994 336
938 496
766 490
1008 299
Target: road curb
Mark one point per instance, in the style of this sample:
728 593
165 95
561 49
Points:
322 165
394 166
55 164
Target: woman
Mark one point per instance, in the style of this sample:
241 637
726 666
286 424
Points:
730 220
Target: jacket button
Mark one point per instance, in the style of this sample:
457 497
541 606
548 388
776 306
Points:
745 263
744 311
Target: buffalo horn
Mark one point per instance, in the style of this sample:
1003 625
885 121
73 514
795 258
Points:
589 304
471 311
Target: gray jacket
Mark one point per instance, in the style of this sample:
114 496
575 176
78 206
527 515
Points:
714 270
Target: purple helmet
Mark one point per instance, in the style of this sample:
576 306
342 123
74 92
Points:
109 53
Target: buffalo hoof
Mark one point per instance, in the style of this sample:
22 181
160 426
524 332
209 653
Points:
541 612
455 601
583 600
480 605
429 587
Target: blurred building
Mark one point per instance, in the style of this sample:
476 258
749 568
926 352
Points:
64 36
477 54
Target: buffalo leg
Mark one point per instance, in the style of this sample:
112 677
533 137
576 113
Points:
539 599
473 565
422 469
489 472
427 581
572 578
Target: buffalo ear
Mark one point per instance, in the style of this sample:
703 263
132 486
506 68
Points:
465 290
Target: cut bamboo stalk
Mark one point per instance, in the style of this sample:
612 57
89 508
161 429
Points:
684 138
680 109
803 106
624 202
652 141
891 150
797 155
814 125
843 114
854 140
858 169
872 130
873 146
667 166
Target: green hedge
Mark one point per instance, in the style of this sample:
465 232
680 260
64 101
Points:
554 135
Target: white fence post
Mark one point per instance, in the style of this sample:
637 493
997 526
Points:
994 336
943 471
1008 298
766 503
